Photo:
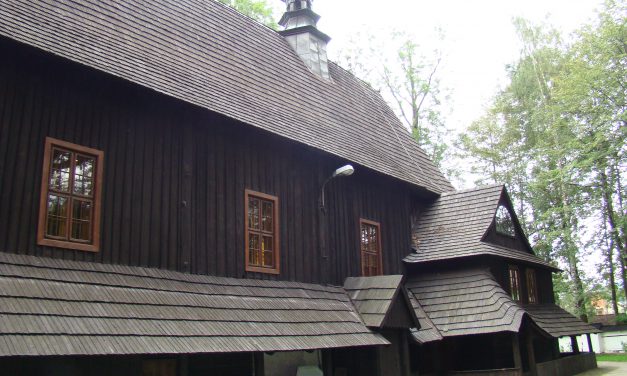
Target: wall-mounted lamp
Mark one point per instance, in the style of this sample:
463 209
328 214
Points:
346 170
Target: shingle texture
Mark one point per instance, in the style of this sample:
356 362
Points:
373 296
207 54
427 332
454 226
557 322
58 307
463 303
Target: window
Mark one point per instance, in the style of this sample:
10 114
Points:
370 248
262 240
504 222
532 291
69 212
514 283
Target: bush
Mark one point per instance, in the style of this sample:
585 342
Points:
621 319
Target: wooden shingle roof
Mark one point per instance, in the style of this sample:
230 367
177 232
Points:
463 302
427 332
59 307
374 297
557 322
207 54
454 227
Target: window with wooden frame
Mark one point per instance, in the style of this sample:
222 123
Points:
262 233
370 236
514 283
532 290
69 211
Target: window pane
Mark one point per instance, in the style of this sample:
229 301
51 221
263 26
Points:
60 170
253 213
81 220
268 254
253 250
56 223
504 222
83 175
267 214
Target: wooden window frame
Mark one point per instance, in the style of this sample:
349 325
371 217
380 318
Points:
362 222
98 155
518 298
276 237
532 286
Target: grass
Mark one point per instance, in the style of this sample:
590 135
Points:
612 357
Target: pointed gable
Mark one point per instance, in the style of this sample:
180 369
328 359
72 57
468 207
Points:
459 223
381 301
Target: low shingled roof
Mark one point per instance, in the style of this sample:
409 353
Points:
454 227
464 302
209 55
374 297
557 322
57 307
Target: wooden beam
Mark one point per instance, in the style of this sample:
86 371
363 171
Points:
533 371
258 364
590 348
574 344
516 351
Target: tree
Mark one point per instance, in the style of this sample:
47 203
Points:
408 79
258 10
556 134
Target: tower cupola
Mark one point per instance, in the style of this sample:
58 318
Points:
299 29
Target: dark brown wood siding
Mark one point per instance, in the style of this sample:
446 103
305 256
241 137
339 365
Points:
175 176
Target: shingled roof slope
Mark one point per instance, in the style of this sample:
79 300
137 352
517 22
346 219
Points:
209 55
454 226
557 322
59 307
373 296
427 331
465 302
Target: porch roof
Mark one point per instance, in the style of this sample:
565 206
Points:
556 322
60 307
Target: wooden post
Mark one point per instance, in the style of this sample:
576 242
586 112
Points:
574 344
516 350
590 348
327 362
258 364
405 366
533 371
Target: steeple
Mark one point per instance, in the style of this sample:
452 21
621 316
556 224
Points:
299 29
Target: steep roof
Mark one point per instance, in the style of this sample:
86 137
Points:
454 227
463 302
59 307
374 297
206 54
557 322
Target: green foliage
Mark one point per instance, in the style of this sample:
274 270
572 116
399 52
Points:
408 78
556 137
621 319
612 357
258 10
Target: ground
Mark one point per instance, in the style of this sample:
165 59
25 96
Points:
607 369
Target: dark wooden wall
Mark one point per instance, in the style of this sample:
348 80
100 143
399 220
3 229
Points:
175 175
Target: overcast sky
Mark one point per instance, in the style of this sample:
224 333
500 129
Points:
480 39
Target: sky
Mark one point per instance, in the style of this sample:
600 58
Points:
480 40
479 37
